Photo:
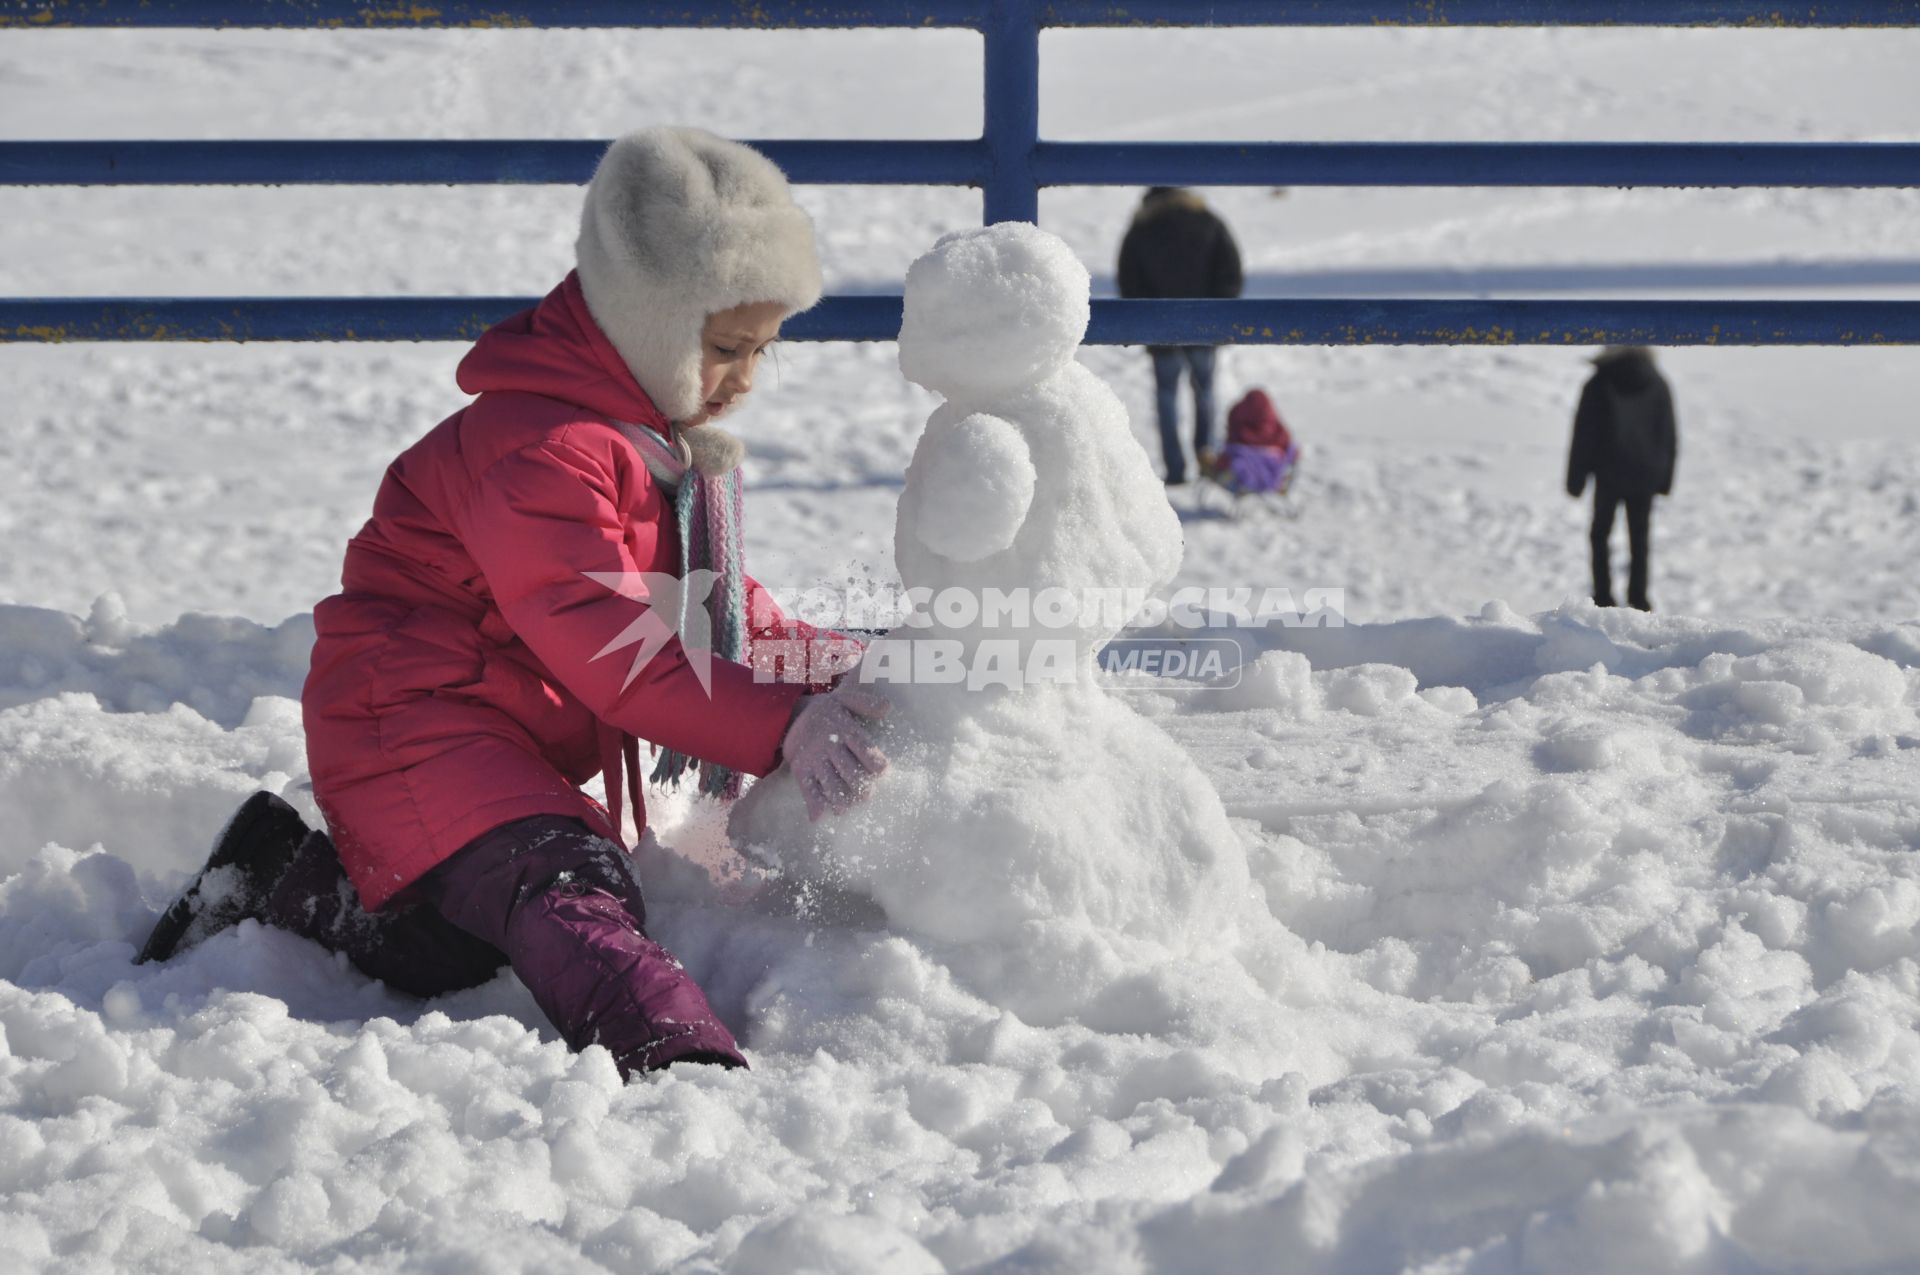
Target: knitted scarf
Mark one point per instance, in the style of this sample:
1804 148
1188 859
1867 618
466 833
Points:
701 469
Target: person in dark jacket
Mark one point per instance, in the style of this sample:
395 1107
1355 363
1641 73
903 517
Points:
1178 247
1625 439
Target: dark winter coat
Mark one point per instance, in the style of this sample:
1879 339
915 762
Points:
1623 431
1178 247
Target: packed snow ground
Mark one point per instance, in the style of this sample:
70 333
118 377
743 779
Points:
1596 936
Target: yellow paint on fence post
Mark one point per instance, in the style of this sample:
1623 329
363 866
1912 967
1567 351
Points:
414 15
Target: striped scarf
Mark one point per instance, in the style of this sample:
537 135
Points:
708 507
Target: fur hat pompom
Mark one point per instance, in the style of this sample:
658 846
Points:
680 224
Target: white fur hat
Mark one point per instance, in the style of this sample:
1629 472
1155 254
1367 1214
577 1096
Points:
680 224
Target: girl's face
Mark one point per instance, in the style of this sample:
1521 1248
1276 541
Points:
731 344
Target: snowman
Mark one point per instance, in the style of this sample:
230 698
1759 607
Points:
1048 842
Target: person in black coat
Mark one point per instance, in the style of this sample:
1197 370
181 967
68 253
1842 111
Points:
1178 247
1624 437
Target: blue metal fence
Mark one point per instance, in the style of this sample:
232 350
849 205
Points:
1008 162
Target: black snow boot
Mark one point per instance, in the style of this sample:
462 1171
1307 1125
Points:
250 855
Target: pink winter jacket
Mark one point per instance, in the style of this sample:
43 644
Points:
453 685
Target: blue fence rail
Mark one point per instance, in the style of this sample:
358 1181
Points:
1008 162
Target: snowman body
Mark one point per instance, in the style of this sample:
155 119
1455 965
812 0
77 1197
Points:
1046 836
1096 529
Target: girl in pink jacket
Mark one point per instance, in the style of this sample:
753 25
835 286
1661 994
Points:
549 575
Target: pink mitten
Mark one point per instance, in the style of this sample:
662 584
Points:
829 752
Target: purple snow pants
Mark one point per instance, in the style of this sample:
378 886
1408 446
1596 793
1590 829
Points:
547 896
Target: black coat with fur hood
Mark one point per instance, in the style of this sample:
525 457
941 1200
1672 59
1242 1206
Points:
1623 431
1178 247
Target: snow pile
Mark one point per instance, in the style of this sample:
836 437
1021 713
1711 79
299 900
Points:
215 665
102 715
1610 968
1744 1188
1049 845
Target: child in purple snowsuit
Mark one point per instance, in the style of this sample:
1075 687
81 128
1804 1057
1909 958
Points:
480 661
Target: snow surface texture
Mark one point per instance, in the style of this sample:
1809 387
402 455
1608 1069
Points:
1608 925
1057 846
1613 971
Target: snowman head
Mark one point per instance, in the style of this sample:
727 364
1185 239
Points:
992 310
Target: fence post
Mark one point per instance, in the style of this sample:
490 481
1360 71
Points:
1012 111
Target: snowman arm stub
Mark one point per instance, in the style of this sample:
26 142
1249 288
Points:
977 484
